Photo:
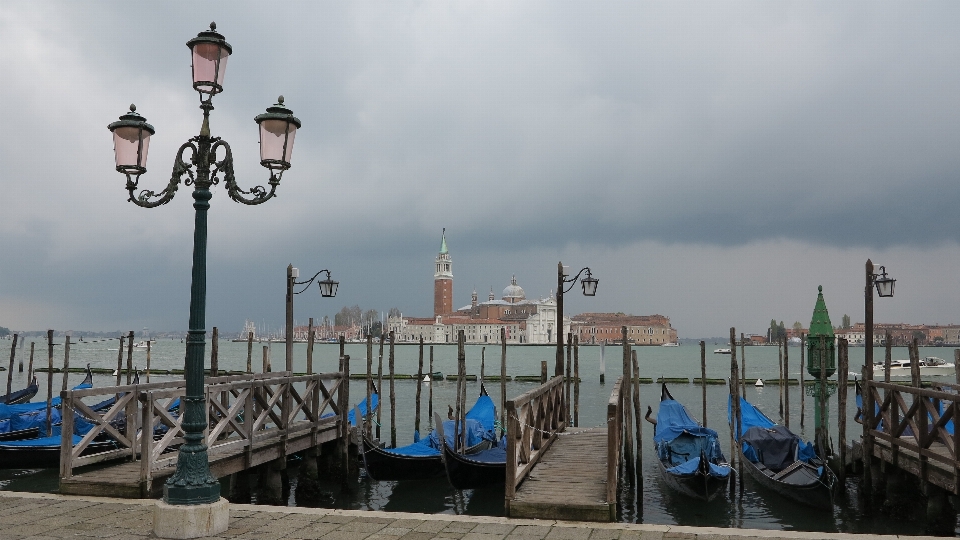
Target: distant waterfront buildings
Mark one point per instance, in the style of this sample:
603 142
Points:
522 320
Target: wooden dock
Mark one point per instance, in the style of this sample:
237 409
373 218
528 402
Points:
569 481
555 474
252 420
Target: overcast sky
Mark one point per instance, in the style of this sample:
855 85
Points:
713 162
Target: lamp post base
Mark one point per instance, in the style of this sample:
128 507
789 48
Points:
190 521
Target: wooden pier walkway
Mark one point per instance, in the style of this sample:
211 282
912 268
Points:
556 474
252 419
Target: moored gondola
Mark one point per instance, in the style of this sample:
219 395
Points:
689 457
422 458
480 469
779 460
21 396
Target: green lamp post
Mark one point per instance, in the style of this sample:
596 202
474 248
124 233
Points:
192 484
821 349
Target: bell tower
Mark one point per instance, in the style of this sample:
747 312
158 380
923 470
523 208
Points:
443 280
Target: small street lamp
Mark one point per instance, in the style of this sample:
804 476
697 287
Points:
884 286
328 289
589 284
192 484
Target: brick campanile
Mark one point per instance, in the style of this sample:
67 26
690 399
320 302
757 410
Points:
443 280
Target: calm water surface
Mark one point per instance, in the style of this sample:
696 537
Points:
651 503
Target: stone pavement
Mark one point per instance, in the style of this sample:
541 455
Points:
39 516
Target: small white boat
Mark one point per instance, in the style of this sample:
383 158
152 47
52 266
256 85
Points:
670 344
143 344
721 351
929 366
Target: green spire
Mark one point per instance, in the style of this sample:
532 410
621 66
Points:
820 323
443 242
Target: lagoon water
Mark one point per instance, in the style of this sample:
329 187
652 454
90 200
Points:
652 503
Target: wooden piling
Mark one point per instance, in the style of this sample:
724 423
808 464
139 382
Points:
842 376
743 367
543 372
460 380
345 432
148 361
463 393
430 391
569 375
266 359
483 361
738 419
781 345
603 363
803 350
369 415
310 339
214 352
50 381
785 383
130 358
249 352
13 355
703 380
914 365
383 338
886 357
66 363
30 368
393 399
503 378
119 360
416 417
627 388
637 414
576 380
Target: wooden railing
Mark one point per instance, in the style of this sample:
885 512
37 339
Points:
243 411
533 421
614 437
926 412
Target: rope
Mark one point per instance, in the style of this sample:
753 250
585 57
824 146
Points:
604 424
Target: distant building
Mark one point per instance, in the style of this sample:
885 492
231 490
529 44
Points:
607 327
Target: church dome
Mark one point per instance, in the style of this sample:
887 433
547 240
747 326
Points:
513 292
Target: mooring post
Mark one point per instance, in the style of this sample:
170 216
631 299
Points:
460 380
781 345
843 360
743 366
738 419
637 415
119 361
13 355
345 423
786 383
576 380
503 379
66 363
266 359
463 393
416 417
483 361
803 391
569 375
148 361
393 399
369 414
603 362
627 389
886 357
249 352
383 338
130 357
214 352
703 381
310 338
543 372
430 391
30 368
50 381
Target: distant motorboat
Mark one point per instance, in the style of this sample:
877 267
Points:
670 344
930 366
721 351
143 344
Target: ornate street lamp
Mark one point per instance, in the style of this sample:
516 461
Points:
589 289
209 162
884 287
328 289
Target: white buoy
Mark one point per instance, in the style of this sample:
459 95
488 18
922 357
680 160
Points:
759 383
426 378
115 373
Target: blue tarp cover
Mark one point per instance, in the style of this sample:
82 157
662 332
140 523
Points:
680 441
776 444
417 449
43 441
374 404
479 427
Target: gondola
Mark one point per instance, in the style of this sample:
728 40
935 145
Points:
688 455
23 420
21 396
778 459
467 471
422 458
